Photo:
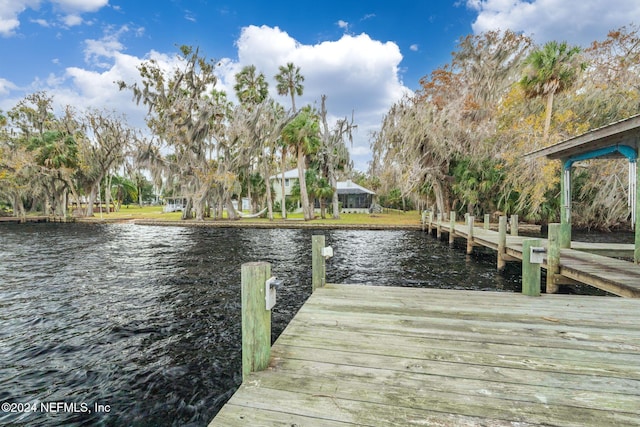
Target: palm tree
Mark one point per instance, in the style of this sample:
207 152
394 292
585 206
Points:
250 88
289 83
122 190
301 135
322 191
548 71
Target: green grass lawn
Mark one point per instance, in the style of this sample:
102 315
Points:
396 218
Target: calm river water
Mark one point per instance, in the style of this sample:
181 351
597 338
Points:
138 325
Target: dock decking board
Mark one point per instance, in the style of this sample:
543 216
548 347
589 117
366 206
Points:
379 356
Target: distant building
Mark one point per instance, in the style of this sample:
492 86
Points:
290 179
352 197
174 204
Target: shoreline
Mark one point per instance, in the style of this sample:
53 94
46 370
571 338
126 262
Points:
284 224
276 224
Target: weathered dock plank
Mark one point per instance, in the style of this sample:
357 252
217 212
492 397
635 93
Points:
612 275
378 356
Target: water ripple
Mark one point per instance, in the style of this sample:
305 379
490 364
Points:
147 319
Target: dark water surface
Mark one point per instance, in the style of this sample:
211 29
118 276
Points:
145 321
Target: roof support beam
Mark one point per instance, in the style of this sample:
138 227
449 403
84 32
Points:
627 151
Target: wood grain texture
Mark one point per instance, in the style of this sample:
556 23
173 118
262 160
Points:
380 356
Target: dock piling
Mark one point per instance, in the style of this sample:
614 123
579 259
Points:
470 223
502 242
565 236
530 270
514 225
439 227
256 319
318 266
452 227
553 258
487 221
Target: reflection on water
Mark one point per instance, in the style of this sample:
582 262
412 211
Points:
146 320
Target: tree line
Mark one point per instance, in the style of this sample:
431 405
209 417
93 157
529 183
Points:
199 145
457 144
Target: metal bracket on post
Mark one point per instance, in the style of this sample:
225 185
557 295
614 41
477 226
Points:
270 286
536 255
327 252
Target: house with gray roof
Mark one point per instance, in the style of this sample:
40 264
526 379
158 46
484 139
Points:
352 197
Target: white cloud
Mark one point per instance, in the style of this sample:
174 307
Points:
356 73
80 6
9 12
343 24
105 48
72 20
414 47
101 52
91 89
41 22
6 86
190 16
577 22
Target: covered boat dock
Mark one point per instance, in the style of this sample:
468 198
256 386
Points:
617 140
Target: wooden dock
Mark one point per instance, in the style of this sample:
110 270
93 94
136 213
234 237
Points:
588 263
380 356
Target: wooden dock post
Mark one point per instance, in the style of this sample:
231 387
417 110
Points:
636 251
256 319
565 235
318 266
530 271
430 226
553 258
487 221
439 227
423 219
452 227
502 242
514 225
470 223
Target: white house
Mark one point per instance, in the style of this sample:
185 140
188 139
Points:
290 179
352 197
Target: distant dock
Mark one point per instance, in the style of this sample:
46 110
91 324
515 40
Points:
380 356
592 264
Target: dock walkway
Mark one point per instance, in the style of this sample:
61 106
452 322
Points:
588 263
382 356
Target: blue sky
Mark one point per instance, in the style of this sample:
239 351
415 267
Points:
364 55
